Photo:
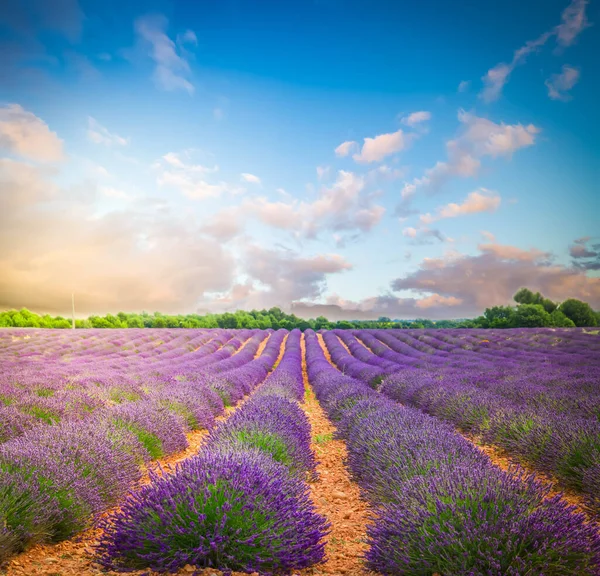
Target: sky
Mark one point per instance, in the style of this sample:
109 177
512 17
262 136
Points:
352 158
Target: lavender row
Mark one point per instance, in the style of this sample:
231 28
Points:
551 429
29 395
438 503
241 503
549 419
55 479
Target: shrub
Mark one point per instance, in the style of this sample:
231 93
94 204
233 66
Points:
231 511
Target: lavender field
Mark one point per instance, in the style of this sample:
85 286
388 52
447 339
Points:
86 416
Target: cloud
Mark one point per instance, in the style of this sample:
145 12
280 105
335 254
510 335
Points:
559 84
574 21
493 276
464 86
585 256
172 70
224 225
416 118
345 148
289 275
323 172
409 232
488 236
343 206
100 135
54 242
188 37
24 134
435 300
481 200
115 193
477 138
377 148
385 173
279 277
179 171
251 178
505 252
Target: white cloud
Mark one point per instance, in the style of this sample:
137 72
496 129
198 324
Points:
339 207
559 84
481 200
478 138
464 85
24 134
409 232
416 118
377 148
178 171
131 259
251 178
488 236
218 113
345 148
100 135
172 69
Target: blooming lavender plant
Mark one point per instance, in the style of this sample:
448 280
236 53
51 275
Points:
227 510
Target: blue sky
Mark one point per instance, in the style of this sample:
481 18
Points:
378 158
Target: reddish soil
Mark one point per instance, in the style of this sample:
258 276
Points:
334 494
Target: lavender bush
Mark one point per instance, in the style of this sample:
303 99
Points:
236 511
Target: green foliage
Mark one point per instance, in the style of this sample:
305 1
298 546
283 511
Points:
531 316
532 310
499 317
560 320
579 312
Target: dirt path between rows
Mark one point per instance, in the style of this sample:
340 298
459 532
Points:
335 495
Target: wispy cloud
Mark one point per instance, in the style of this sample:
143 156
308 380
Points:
251 178
416 118
477 138
172 69
100 135
559 84
345 148
574 21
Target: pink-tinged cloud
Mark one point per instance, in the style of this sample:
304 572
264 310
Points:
559 84
23 134
345 148
574 21
481 200
435 300
377 148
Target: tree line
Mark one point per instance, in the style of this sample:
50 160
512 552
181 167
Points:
532 310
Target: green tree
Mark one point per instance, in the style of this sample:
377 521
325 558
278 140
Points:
560 320
579 312
499 317
531 316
